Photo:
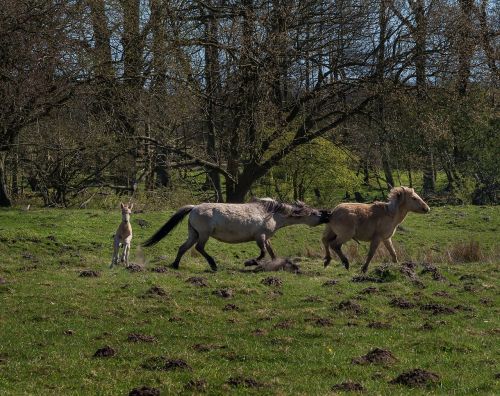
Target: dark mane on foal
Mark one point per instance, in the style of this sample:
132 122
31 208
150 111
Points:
296 208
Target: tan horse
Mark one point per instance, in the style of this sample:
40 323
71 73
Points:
374 222
256 221
123 236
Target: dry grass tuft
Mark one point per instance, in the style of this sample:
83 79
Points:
465 252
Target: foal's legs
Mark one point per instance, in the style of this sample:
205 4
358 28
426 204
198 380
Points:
116 248
390 248
200 247
126 252
192 238
261 243
373 248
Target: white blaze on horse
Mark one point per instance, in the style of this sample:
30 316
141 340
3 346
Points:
374 222
256 221
123 236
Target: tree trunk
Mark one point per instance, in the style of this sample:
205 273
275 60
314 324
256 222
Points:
4 194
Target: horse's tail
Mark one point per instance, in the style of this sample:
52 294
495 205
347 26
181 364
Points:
168 226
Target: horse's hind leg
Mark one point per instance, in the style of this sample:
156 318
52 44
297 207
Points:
328 238
200 247
343 258
192 238
116 248
261 243
373 248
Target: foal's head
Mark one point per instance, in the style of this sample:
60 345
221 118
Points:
126 211
310 216
407 197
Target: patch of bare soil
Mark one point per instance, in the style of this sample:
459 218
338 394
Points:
468 277
348 386
105 351
134 268
313 299
224 293
272 281
427 327
207 347
159 270
29 256
465 308
408 269
230 307
331 282
322 322
198 281
144 391
437 309
432 269
350 306
3 358
163 363
2 281
68 332
285 324
138 337
175 319
370 290
379 325
259 332
156 291
142 223
416 378
245 382
487 302
400 302
199 385
275 293
365 278
377 355
89 274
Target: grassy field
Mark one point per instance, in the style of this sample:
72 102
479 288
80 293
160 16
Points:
298 335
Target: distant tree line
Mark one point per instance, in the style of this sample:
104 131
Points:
225 95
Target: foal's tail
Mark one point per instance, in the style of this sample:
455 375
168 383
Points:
168 226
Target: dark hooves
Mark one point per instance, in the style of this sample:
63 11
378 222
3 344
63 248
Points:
250 262
175 265
326 262
346 265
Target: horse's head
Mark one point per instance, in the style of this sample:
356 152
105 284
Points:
307 215
408 198
126 211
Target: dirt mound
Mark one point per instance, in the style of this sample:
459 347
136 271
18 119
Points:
138 337
348 386
331 282
144 391
105 351
163 363
285 324
142 223
377 355
198 281
272 281
89 274
432 269
175 319
441 293
207 347
224 293
246 382
350 306
134 268
323 322
437 309
365 278
400 302
196 385
416 377
159 270
379 325
259 332
230 307
312 299
2 281
369 290
408 269
156 291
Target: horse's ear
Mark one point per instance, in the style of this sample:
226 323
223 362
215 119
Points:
122 205
131 206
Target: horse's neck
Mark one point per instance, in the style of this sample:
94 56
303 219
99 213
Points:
399 213
283 221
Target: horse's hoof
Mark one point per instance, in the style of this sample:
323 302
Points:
175 265
326 262
346 265
364 269
250 262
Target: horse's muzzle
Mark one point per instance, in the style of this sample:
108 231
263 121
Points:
324 216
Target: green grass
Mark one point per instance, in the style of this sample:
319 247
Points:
43 251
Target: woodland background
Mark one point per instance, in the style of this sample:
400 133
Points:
217 100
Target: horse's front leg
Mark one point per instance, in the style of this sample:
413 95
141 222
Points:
390 248
116 248
261 243
270 249
126 252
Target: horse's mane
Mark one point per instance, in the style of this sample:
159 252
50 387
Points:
296 208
